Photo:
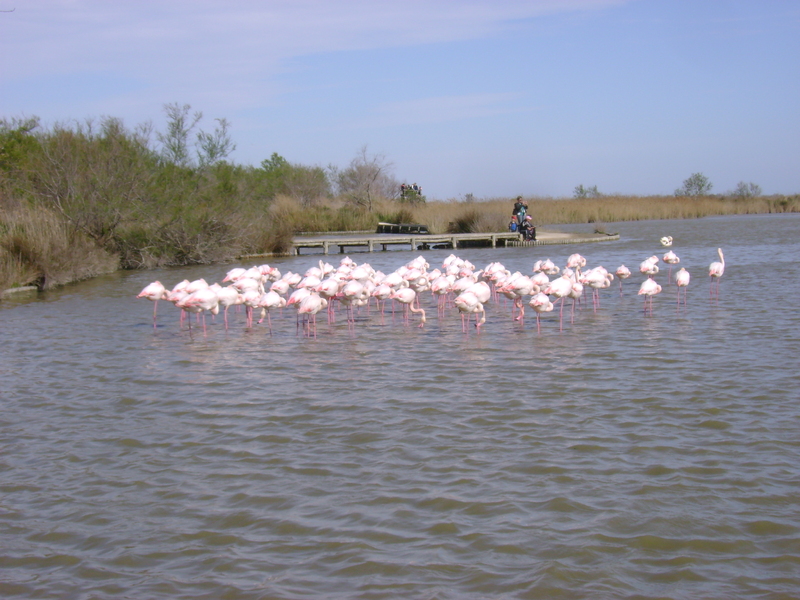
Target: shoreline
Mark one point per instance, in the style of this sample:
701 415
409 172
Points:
543 238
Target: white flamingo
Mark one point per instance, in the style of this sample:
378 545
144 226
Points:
715 271
155 292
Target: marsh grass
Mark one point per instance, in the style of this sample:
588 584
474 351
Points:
494 214
40 248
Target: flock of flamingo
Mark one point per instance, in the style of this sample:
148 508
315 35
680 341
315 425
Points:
457 284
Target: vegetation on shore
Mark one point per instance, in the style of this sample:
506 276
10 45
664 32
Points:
81 199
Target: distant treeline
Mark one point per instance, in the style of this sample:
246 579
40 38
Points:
81 199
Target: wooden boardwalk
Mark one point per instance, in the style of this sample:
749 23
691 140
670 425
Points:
344 243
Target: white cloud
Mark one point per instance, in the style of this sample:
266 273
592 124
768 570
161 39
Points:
193 41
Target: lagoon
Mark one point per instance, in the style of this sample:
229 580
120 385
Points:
627 456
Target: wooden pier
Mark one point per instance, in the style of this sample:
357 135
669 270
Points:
342 244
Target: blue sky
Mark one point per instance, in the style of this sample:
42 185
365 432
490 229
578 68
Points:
493 98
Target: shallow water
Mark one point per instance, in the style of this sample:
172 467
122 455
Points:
627 456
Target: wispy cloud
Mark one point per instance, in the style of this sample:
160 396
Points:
238 46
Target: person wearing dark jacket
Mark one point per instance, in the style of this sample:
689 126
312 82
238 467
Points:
520 209
528 229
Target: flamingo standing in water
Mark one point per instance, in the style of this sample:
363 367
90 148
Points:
560 288
468 303
648 289
204 299
671 259
540 303
682 281
311 305
267 302
622 272
155 292
406 297
228 296
715 270
666 240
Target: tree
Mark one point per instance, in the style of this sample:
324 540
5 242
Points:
367 178
582 192
209 147
696 185
746 190
214 147
306 184
175 141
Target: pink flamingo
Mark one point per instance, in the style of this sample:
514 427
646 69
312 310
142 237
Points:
268 302
715 271
575 294
671 259
310 306
540 303
622 272
155 292
514 288
682 281
200 301
228 296
649 266
648 289
560 288
406 297
467 303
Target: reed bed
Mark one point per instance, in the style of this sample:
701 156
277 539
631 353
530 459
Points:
495 214
39 247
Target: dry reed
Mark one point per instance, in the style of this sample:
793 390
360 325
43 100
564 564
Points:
38 247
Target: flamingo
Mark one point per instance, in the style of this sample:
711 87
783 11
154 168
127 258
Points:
200 301
267 302
540 303
250 300
228 296
666 240
715 271
597 279
234 274
406 297
622 272
649 266
467 303
671 259
311 305
560 288
155 292
514 288
682 281
575 293
648 289
547 266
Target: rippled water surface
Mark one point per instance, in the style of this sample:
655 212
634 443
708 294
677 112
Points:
627 456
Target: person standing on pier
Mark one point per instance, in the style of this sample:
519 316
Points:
520 209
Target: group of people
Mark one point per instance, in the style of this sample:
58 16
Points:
404 188
521 221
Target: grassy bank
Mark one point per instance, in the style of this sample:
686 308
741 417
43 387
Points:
40 247
83 199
